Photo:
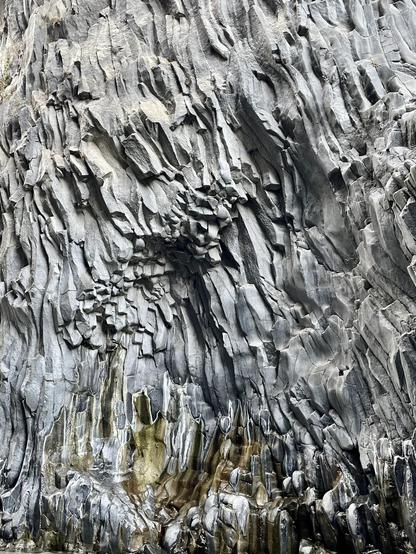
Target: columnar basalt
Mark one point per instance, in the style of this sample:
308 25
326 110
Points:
208 276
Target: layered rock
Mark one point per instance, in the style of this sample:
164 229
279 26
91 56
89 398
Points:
208 302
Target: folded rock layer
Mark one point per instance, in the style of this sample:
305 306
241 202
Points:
208 276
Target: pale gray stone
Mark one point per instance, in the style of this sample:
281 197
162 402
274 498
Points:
208 276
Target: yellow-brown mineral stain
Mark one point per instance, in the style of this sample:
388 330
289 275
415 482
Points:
150 449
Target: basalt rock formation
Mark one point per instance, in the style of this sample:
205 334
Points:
208 276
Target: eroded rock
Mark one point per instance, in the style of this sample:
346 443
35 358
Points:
207 269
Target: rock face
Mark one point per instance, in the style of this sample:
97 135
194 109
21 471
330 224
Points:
208 275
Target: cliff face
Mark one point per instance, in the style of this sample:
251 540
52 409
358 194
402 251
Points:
208 301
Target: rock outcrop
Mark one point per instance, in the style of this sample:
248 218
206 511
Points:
208 276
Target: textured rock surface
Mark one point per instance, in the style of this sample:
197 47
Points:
208 275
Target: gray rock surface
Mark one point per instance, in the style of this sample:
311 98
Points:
208 276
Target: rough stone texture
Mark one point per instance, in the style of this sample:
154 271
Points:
208 275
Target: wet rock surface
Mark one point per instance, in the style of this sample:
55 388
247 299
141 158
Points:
207 264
